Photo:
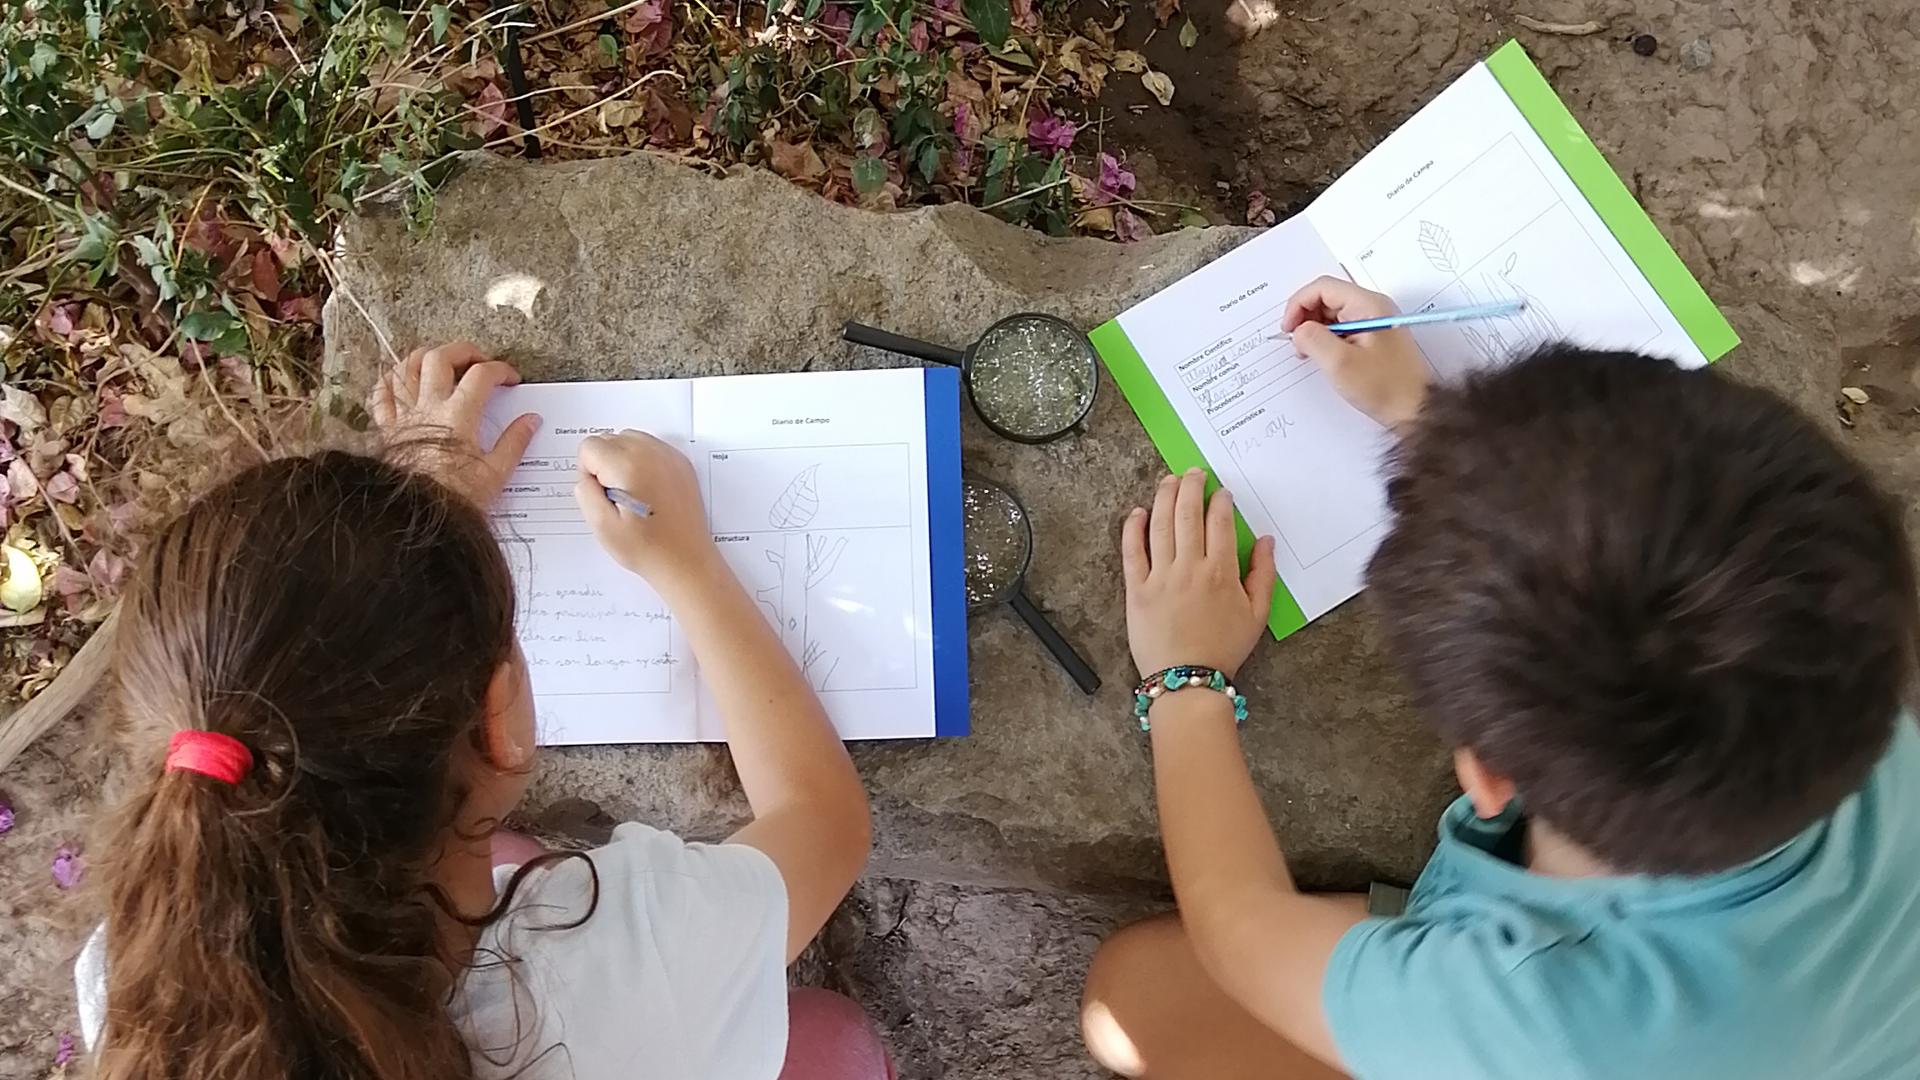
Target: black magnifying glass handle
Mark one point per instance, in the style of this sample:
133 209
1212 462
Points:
1083 674
873 336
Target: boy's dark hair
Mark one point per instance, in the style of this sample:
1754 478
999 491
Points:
1671 610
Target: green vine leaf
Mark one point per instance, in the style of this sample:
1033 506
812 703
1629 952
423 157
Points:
869 175
992 20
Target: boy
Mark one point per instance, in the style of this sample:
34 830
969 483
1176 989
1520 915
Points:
1667 626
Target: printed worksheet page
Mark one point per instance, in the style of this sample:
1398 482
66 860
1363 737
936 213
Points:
607 662
816 487
1464 204
819 493
1302 464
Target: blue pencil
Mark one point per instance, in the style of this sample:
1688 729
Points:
628 503
1388 322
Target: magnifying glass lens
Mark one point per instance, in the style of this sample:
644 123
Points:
1032 376
999 542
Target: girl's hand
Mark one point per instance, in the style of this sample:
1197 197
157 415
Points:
1380 372
1186 601
441 393
671 547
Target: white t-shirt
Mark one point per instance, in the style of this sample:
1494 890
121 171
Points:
680 974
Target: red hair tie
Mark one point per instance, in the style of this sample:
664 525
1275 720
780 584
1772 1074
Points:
209 753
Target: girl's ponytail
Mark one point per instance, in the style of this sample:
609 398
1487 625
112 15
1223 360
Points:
335 620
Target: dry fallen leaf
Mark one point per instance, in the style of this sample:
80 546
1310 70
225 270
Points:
1127 62
1159 85
1096 219
796 161
620 113
1855 395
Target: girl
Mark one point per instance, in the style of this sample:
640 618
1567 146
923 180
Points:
326 716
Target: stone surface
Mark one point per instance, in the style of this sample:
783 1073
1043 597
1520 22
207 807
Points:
647 269
971 984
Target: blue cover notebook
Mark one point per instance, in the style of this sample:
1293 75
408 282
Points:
833 495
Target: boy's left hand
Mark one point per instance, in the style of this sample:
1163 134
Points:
1186 600
442 392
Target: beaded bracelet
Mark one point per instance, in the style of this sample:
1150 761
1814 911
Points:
1182 677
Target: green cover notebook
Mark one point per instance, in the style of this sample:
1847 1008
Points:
1491 192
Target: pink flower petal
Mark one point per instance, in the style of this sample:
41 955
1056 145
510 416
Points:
1129 226
645 16
1113 182
6 817
108 570
60 318
1049 134
113 414
490 111
64 1053
68 867
62 487
20 478
300 309
70 583
284 248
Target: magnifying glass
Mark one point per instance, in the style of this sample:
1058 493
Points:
999 549
1031 377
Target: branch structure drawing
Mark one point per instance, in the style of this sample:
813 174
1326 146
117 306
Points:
1503 337
802 561
1500 339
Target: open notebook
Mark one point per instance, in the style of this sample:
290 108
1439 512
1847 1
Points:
1491 192
835 496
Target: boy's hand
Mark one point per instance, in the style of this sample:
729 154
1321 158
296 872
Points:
441 393
671 547
1186 601
1380 372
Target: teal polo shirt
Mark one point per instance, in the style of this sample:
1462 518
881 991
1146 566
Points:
1802 964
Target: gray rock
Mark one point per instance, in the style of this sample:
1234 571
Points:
644 268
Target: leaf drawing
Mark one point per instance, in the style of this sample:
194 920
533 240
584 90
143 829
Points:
1513 260
797 505
1436 243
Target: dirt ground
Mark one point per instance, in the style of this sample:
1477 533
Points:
1775 142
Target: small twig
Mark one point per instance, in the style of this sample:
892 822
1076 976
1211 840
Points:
327 269
221 401
32 194
1030 191
1121 200
578 23
1528 22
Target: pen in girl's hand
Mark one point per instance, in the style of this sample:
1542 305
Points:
628 503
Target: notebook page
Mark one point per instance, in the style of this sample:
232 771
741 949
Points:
1464 204
816 492
1302 464
607 663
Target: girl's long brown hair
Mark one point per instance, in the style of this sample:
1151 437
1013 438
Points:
342 617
